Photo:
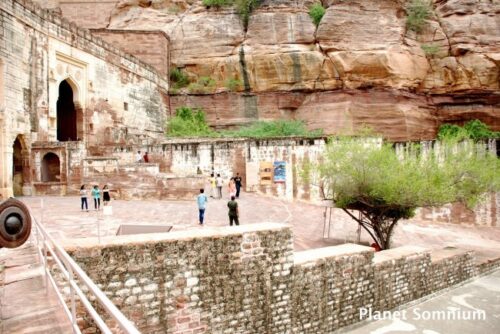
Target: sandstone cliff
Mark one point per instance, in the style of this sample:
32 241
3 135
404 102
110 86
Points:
361 65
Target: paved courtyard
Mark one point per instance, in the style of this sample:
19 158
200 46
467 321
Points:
64 220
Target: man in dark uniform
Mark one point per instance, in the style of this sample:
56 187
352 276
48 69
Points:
237 180
233 211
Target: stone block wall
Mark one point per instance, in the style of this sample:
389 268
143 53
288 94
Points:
247 279
329 285
149 46
205 281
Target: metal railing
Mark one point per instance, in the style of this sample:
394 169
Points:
71 271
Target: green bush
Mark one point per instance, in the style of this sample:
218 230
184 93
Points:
475 130
178 78
189 122
203 85
233 84
430 49
316 13
217 3
267 129
417 12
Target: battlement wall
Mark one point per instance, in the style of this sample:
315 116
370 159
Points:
248 279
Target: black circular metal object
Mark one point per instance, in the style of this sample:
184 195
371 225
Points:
15 223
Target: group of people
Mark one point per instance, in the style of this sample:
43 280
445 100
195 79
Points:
141 158
216 183
96 195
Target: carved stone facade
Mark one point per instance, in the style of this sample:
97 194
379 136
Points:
65 96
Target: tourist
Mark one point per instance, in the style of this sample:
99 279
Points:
138 157
233 211
105 195
202 202
231 187
83 197
145 158
213 185
96 194
219 182
237 180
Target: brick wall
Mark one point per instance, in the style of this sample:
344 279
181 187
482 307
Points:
88 13
149 46
247 279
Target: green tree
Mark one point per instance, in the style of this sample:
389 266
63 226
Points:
418 11
386 187
316 13
189 122
475 130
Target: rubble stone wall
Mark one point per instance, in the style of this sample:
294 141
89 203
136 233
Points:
247 279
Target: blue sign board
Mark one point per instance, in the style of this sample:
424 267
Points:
279 171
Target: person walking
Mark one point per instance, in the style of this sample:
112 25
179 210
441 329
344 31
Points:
213 185
138 157
105 195
83 197
233 211
96 194
237 181
145 158
202 203
231 187
219 182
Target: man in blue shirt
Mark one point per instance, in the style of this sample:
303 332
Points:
202 202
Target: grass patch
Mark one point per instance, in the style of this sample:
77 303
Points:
430 50
189 122
202 86
268 129
178 78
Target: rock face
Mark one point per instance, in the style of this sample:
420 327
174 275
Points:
361 65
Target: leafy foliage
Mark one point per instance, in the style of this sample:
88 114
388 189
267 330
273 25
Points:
418 11
430 49
189 122
475 130
233 84
316 13
179 78
280 128
203 85
370 177
217 3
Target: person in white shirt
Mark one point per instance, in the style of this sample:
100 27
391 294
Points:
138 157
219 182
83 197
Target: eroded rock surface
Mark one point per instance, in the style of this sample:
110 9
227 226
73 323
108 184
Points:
360 65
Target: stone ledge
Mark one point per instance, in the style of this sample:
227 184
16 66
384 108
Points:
446 253
398 253
314 255
187 235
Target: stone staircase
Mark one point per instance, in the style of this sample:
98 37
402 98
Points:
25 305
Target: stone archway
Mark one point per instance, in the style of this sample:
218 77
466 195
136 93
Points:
51 168
17 168
69 113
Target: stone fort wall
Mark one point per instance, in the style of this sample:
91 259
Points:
118 98
189 157
248 280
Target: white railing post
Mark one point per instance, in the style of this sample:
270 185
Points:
72 293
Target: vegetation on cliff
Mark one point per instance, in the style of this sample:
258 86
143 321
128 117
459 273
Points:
474 130
385 186
418 11
316 13
189 122
243 7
